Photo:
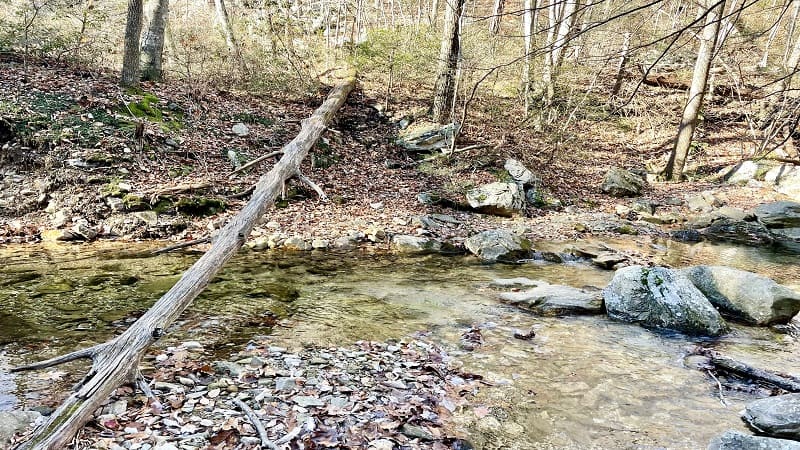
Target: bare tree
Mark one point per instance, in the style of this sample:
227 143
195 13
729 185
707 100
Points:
153 40
621 63
497 16
448 62
528 14
130 57
705 54
225 24
561 16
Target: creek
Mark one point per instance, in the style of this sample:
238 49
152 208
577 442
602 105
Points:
582 382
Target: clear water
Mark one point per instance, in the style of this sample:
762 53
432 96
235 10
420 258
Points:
582 382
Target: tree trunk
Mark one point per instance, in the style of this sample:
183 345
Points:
225 24
623 61
677 158
529 7
497 16
448 62
116 361
790 32
153 40
130 58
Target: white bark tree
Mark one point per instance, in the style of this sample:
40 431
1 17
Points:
153 40
705 53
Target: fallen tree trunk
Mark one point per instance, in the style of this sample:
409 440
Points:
116 361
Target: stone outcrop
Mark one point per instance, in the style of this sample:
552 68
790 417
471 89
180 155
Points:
777 416
503 199
498 245
622 183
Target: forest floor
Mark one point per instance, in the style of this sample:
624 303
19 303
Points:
72 138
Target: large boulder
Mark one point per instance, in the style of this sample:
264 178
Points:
503 199
779 214
742 173
738 231
622 183
734 440
661 298
744 295
498 245
425 137
788 238
785 179
555 300
777 416
15 421
520 173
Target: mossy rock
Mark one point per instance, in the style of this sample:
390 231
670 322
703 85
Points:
134 202
199 206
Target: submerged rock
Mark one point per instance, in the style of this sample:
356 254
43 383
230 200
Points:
744 295
734 440
14 421
661 298
777 416
556 300
404 243
622 183
503 199
498 245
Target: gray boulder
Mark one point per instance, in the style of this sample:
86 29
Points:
426 137
788 238
744 295
742 173
661 298
777 416
498 245
622 183
404 243
734 440
737 231
779 214
785 179
520 173
503 199
555 300
15 421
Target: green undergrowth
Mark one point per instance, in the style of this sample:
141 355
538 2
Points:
148 106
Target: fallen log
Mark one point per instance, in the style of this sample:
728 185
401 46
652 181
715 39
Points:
116 361
730 366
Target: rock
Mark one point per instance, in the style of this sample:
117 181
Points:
345 243
228 368
58 235
740 232
609 260
296 243
404 243
84 232
498 244
284 384
426 137
622 183
381 444
320 244
116 204
150 218
686 235
741 173
414 431
777 416
788 238
60 218
556 300
661 298
503 199
779 214
520 173
308 401
734 440
785 179
643 205
744 295
14 421
240 129
514 282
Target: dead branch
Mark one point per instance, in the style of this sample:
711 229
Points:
313 186
729 365
251 415
115 362
253 163
448 153
181 245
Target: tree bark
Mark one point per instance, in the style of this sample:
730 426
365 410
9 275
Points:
529 7
225 24
497 15
623 61
448 62
153 40
677 159
130 58
116 361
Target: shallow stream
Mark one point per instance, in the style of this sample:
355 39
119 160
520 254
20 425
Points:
582 382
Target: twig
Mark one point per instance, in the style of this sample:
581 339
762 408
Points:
90 352
719 386
292 434
144 386
262 433
313 185
242 194
181 245
254 162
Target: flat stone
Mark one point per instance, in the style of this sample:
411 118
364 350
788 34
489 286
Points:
503 199
285 384
514 282
308 401
415 244
14 421
734 440
556 300
777 416
240 129
783 214
498 244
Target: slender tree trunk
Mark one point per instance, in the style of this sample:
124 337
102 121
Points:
529 7
153 40
133 30
792 66
497 16
623 61
225 24
116 361
448 62
705 54
792 28
434 11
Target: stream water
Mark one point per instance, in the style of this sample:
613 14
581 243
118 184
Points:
582 382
